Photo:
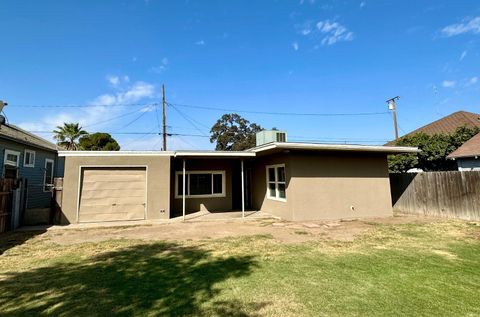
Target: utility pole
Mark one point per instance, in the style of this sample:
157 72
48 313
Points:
164 119
392 105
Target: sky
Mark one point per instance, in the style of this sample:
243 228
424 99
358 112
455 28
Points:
102 63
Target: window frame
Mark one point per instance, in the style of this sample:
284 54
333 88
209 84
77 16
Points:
187 181
276 182
47 160
7 162
32 154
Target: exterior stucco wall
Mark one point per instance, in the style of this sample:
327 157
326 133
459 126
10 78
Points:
259 186
205 203
158 182
324 185
335 186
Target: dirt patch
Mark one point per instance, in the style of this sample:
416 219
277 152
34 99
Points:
283 231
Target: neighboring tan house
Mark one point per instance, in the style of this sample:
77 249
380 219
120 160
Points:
447 124
294 181
26 156
468 155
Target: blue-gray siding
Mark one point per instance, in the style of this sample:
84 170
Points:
37 198
468 164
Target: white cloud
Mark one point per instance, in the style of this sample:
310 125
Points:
462 56
113 80
469 25
448 83
200 42
362 4
160 68
104 107
134 93
333 32
472 81
295 46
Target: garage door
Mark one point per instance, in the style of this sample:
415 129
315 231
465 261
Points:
112 194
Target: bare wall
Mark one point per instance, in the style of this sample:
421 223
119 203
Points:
336 185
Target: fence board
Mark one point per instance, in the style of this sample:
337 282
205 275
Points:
6 186
441 194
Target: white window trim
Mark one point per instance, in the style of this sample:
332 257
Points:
277 194
187 189
11 163
32 154
45 174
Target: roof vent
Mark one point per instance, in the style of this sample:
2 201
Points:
269 136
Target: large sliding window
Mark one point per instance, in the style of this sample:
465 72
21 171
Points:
276 182
200 184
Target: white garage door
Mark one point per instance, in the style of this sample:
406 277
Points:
112 194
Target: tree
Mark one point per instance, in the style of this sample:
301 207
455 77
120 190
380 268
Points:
233 133
98 142
434 150
67 135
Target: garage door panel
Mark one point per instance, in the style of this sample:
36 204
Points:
132 185
115 193
112 216
112 194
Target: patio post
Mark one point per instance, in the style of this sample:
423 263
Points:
243 193
183 190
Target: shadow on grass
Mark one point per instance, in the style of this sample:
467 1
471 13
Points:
161 279
11 239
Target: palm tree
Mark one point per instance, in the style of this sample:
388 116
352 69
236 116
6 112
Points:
67 135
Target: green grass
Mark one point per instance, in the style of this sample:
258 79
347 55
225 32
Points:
392 270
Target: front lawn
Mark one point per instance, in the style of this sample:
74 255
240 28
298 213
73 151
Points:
391 270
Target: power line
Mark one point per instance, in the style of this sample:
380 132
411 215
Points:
188 119
80 106
280 113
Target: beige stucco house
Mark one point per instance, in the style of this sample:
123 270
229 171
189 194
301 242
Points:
294 181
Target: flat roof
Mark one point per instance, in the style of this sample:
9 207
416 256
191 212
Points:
334 147
253 151
159 153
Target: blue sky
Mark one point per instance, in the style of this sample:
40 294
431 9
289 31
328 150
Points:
274 56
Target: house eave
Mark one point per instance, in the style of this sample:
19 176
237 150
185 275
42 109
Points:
334 147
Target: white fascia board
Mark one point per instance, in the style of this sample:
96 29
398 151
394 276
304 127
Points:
214 154
115 153
335 147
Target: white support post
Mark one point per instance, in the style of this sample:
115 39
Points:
243 193
183 190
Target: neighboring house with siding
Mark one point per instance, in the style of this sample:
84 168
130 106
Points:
24 155
468 155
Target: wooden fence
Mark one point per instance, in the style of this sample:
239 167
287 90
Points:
442 194
6 187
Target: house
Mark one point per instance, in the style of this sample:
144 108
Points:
468 155
447 124
26 156
294 181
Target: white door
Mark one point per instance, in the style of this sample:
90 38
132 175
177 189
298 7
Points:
112 194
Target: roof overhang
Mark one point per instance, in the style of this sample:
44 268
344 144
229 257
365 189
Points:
333 147
263 149
114 153
198 154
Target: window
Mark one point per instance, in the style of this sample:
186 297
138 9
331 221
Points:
200 184
11 158
48 179
29 158
276 182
